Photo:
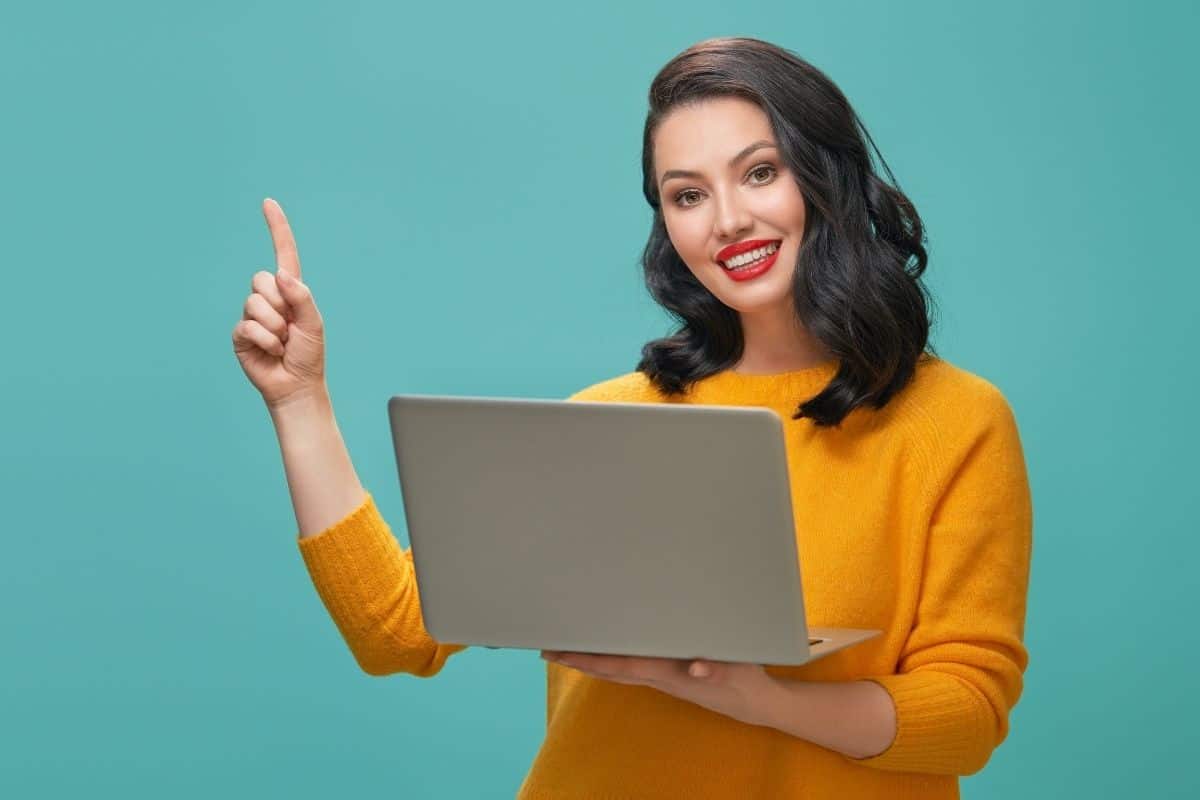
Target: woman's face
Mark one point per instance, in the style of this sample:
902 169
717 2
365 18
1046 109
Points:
737 190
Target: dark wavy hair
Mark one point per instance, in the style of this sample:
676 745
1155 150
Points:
857 285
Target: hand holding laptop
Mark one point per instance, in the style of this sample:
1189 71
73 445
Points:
721 686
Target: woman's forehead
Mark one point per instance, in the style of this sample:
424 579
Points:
709 133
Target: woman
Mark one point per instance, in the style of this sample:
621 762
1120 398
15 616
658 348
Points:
794 270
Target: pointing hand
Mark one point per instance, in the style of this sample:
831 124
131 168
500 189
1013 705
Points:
280 340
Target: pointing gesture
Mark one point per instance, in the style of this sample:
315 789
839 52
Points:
280 339
286 257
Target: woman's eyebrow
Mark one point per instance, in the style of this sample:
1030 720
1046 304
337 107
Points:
687 173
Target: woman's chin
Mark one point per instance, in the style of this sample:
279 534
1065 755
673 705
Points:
750 302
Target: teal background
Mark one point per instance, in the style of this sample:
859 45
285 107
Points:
464 185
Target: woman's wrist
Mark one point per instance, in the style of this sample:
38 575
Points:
303 408
855 718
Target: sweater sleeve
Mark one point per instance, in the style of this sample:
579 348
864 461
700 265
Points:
961 669
368 585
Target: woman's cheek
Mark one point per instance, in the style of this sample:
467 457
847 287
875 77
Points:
690 244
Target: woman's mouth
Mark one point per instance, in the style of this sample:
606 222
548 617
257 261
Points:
750 265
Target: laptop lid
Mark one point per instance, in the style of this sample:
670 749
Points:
628 528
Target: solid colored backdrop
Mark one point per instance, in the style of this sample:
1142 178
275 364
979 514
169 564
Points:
464 185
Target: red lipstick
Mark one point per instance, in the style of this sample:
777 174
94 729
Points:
745 273
742 247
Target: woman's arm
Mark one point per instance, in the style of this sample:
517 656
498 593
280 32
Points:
366 582
320 476
961 669
855 718
946 708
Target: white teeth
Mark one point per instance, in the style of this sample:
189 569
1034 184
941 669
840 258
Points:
753 255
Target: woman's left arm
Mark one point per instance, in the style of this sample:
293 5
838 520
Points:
855 718
961 669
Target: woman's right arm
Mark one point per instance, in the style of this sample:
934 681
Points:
320 476
365 580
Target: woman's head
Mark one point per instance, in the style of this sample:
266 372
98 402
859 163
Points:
723 184
851 247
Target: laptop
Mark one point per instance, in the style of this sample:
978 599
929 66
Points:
622 528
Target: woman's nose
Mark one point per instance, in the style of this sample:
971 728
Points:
731 220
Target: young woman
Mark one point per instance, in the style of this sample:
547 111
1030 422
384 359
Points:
794 272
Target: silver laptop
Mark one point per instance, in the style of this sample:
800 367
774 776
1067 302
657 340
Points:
627 528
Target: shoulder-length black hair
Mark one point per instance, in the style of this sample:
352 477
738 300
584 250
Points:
857 282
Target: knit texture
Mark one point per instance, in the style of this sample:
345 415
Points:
915 519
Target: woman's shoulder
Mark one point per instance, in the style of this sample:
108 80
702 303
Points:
944 401
631 387
937 383
956 422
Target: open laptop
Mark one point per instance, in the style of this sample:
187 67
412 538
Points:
625 528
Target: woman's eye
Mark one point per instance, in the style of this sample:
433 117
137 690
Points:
679 197
760 168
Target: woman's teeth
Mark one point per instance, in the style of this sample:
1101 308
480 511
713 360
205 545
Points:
749 258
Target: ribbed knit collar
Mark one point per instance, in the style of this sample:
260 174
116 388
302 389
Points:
781 389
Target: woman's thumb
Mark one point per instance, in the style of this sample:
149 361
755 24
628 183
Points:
300 298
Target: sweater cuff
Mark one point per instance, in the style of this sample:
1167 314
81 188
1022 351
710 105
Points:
941 725
343 560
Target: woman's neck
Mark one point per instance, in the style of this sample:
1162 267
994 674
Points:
776 342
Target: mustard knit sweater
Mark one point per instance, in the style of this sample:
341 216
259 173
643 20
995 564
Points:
915 519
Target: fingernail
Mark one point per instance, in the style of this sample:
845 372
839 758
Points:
699 670
285 278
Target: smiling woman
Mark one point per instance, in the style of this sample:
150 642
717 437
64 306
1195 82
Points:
794 270
846 283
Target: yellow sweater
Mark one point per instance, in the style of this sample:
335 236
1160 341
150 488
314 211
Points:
915 519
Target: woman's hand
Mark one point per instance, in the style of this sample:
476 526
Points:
740 691
280 340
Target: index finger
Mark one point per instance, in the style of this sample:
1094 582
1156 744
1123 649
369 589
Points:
287 258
